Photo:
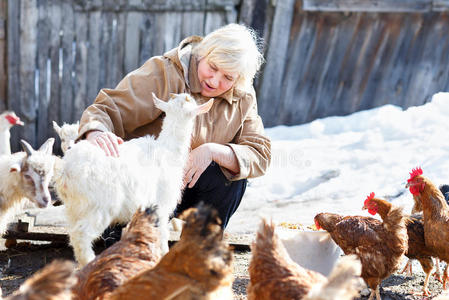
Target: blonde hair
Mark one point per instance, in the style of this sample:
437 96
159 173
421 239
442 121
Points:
233 48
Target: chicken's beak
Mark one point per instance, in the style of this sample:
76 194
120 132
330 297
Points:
364 207
317 225
407 185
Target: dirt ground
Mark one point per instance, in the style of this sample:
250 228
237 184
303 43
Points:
21 261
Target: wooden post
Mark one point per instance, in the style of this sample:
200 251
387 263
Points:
368 6
3 69
13 59
27 105
276 57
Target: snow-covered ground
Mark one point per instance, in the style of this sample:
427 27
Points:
332 164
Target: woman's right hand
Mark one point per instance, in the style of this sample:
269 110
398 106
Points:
105 140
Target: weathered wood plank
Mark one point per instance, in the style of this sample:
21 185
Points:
43 84
247 8
171 23
105 50
300 51
236 242
67 91
149 37
271 80
36 236
421 86
3 51
55 59
94 66
13 40
403 30
132 45
27 59
368 6
80 83
214 20
253 14
156 6
118 70
192 24
440 5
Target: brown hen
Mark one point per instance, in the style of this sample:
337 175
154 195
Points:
53 282
378 244
138 250
417 249
199 266
426 264
274 275
435 215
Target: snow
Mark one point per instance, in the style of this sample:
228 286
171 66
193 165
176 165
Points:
332 164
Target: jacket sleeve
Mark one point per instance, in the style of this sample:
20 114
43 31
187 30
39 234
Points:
130 104
251 147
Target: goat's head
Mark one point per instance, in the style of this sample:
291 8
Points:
36 171
182 105
67 133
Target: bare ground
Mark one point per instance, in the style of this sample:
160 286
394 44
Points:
21 261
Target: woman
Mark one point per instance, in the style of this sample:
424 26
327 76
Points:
228 143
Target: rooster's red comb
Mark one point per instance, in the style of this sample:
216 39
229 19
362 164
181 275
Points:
370 196
415 172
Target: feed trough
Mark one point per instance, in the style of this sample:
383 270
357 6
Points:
314 250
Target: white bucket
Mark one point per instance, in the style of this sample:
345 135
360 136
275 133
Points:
314 250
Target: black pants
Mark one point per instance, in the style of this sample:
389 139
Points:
214 189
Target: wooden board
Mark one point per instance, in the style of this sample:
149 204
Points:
237 242
368 5
3 70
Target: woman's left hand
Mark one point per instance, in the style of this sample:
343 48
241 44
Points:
199 159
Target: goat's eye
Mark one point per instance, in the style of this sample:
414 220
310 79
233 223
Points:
27 177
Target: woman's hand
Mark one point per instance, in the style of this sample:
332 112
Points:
199 159
105 140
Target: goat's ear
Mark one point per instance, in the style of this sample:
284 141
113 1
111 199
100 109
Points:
27 147
162 105
15 167
47 147
56 127
204 108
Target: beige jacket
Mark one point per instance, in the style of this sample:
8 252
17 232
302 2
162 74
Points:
129 112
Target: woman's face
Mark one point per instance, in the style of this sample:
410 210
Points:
214 81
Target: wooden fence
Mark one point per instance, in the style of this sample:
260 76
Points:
322 57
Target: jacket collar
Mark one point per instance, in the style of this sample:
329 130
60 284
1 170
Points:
184 58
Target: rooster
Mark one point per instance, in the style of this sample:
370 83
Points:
51 283
274 275
7 120
137 250
199 266
417 248
378 244
435 215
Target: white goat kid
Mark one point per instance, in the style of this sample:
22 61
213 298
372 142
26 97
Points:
98 190
67 133
25 175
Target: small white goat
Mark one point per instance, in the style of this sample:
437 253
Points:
67 133
98 190
25 175
7 120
